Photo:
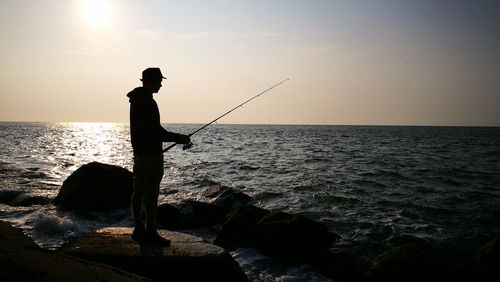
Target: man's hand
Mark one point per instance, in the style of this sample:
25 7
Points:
182 139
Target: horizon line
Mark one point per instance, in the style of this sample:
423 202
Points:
263 124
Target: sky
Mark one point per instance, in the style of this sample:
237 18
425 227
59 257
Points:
426 62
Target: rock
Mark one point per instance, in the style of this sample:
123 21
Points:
488 260
26 200
422 260
22 260
190 214
227 197
410 262
96 187
459 254
169 216
188 258
343 266
214 191
8 197
293 237
22 199
278 234
239 227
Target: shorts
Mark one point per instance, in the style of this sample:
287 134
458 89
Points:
148 173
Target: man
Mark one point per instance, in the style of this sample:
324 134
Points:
147 135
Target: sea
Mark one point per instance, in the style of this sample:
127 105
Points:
366 183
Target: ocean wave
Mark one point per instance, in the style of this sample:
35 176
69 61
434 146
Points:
47 224
259 267
8 169
343 200
249 167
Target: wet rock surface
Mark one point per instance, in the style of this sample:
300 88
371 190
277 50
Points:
239 228
23 199
488 260
22 260
188 258
190 214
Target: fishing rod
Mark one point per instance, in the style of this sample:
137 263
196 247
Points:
187 146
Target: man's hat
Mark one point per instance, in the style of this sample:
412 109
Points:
152 74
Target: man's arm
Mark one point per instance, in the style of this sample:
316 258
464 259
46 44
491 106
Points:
168 136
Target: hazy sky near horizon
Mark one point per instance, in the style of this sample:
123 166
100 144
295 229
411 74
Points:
426 62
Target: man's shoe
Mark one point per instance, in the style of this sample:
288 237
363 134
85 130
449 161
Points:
152 238
139 233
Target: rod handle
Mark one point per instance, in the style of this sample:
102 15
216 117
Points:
184 147
169 147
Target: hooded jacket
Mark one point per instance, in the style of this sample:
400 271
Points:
146 132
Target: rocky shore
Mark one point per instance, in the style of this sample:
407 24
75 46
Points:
22 260
285 237
188 258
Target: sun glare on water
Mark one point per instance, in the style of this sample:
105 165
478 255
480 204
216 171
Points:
96 12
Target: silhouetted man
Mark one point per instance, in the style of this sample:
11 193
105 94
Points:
147 136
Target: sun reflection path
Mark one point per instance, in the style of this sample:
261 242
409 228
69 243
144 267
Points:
102 142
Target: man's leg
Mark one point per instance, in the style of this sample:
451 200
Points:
151 203
137 198
137 201
151 236
139 229
151 193
138 194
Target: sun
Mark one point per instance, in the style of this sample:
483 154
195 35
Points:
96 12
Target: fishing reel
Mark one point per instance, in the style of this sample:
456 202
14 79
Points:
187 146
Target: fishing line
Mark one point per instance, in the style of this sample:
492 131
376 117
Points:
187 146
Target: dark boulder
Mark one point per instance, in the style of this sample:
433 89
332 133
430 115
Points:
293 237
96 187
22 199
343 265
9 197
26 200
239 227
190 214
168 216
488 260
22 260
411 262
280 235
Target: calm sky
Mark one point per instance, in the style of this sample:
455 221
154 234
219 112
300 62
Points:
433 62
